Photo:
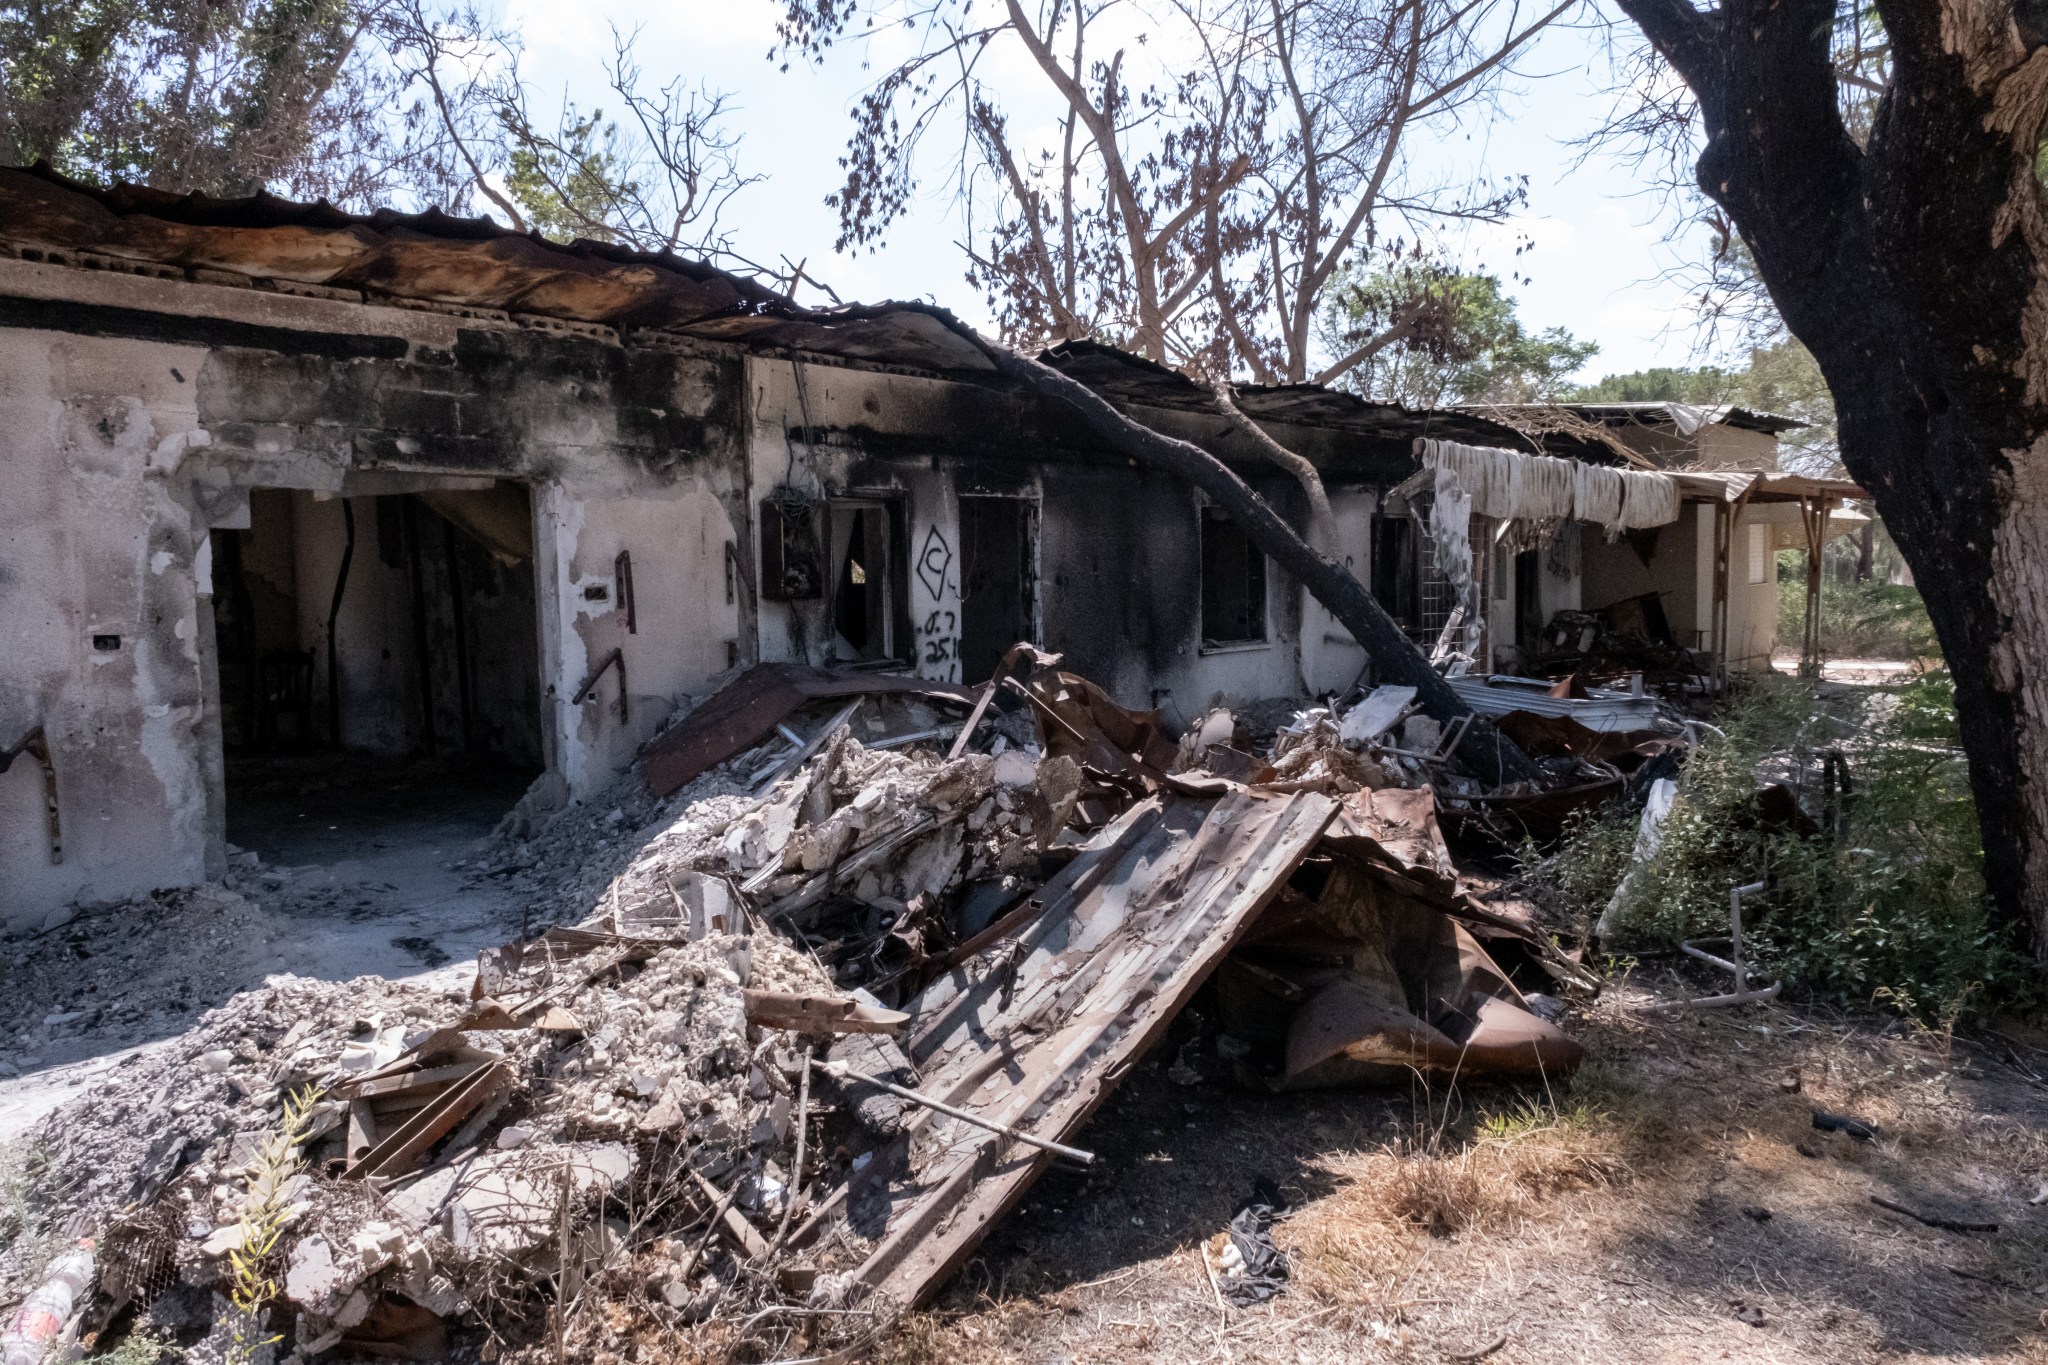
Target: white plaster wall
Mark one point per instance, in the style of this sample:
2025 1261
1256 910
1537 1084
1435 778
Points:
1330 658
1753 607
90 545
1726 447
677 538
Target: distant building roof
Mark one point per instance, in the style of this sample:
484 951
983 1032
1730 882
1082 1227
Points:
1124 377
1686 418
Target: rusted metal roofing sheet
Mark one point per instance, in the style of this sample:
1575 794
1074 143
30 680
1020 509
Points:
746 711
462 262
1037 1038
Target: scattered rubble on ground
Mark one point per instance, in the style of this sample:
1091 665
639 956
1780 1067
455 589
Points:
802 1010
127 970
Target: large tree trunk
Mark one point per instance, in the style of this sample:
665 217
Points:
1915 268
1485 749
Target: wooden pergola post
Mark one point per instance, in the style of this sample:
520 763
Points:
1813 515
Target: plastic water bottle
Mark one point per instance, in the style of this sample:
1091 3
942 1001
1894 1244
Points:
42 1316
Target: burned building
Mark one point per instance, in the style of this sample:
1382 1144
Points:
286 482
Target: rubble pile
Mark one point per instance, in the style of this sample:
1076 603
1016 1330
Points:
736 1093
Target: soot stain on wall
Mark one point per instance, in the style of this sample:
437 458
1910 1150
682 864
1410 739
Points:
516 404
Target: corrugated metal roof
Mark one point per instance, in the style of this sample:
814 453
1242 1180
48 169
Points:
462 262
1726 485
1685 418
1132 379
1130 929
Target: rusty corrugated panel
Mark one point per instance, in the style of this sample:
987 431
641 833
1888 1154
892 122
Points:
1131 928
746 711
465 262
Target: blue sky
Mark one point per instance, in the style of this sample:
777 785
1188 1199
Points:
1598 266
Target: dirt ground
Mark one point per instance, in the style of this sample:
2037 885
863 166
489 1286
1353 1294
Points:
1672 1203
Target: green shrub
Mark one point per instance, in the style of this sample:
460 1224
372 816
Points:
1893 910
1868 620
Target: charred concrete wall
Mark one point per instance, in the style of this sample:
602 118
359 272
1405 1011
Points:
139 413
144 412
104 633
1118 556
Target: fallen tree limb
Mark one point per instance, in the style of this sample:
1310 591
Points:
1491 754
1933 1220
1305 473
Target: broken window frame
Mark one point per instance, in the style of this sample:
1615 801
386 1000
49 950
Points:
1257 587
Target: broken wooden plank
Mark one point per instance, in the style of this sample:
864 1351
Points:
731 1221
397 1152
433 1076
819 1013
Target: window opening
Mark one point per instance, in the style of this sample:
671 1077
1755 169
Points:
1394 564
1233 583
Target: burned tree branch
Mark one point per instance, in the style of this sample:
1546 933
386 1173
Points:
1490 753
1298 465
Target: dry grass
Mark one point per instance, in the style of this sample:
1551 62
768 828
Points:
1672 1203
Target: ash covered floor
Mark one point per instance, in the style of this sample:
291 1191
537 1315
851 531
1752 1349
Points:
341 867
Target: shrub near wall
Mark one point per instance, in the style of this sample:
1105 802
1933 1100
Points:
1887 906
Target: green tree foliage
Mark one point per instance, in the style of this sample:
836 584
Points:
407 103
221 96
1464 342
552 184
1885 904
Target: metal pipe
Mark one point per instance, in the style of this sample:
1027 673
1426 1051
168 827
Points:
615 659
1742 994
845 1072
1735 896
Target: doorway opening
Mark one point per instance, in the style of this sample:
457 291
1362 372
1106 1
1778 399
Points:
865 548
1396 585
379 665
998 580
